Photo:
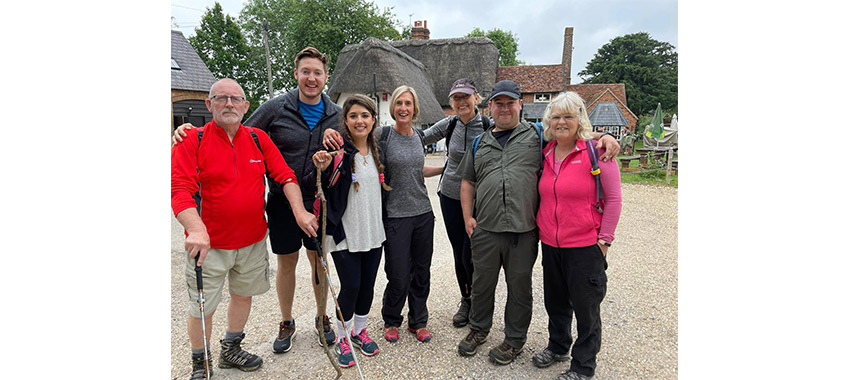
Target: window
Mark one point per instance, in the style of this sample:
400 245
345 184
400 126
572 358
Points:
542 97
174 65
612 129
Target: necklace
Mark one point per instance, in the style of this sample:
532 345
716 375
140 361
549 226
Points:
365 163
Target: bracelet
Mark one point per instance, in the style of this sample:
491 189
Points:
605 133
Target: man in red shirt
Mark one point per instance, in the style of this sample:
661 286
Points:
228 234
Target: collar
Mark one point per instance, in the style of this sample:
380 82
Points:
219 131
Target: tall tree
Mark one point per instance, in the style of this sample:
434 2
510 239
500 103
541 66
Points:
506 41
222 46
649 69
327 25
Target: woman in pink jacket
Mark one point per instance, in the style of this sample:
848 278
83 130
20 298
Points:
575 235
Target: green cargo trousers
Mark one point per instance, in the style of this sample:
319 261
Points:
516 252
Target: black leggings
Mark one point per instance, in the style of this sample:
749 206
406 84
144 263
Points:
357 272
456 230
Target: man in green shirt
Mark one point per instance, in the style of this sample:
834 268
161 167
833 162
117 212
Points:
500 178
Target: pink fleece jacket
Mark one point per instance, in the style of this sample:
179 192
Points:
567 217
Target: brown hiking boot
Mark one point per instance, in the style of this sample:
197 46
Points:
469 345
504 353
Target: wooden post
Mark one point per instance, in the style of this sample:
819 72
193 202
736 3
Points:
669 163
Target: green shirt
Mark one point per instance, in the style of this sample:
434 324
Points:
506 180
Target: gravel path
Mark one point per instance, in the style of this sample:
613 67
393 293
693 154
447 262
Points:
639 313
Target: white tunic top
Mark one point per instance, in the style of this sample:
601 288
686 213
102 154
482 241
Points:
364 228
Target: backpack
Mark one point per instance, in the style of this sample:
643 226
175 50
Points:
485 121
591 151
478 140
197 196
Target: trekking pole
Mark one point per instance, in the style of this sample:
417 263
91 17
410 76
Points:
199 277
321 194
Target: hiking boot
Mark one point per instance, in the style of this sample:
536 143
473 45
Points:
199 371
391 333
469 345
367 346
232 355
343 354
283 343
330 337
461 318
546 357
422 335
504 353
572 375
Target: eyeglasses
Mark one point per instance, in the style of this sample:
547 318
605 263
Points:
556 118
222 99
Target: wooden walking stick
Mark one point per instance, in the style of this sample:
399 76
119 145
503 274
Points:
326 279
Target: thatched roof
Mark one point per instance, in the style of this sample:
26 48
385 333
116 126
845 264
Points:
356 65
450 59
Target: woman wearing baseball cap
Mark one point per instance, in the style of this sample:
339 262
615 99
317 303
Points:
458 130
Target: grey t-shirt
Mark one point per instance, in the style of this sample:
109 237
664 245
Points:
405 159
461 138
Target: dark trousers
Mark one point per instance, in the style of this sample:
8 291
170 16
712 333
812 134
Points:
516 252
456 231
408 251
357 272
574 281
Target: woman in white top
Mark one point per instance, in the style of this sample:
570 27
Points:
355 230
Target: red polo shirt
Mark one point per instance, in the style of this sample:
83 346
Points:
231 179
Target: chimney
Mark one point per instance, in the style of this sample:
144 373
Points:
420 31
567 58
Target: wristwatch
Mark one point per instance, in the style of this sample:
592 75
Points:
605 243
605 133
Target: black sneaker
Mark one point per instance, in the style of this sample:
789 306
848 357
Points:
283 343
461 318
330 337
504 353
469 345
199 371
546 357
233 356
572 375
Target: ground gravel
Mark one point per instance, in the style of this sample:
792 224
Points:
639 313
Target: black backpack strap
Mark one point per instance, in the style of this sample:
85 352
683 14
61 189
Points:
197 195
485 121
382 144
450 130
591 151
256 140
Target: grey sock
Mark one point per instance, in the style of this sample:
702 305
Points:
197 352
230 336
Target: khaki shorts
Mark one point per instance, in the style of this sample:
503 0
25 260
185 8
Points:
248 269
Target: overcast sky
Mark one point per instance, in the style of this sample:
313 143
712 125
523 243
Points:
539 25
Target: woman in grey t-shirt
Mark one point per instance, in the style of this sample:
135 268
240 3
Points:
468 123
409 224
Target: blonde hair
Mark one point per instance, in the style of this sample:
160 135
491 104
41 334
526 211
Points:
397 93
367 103
570 102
